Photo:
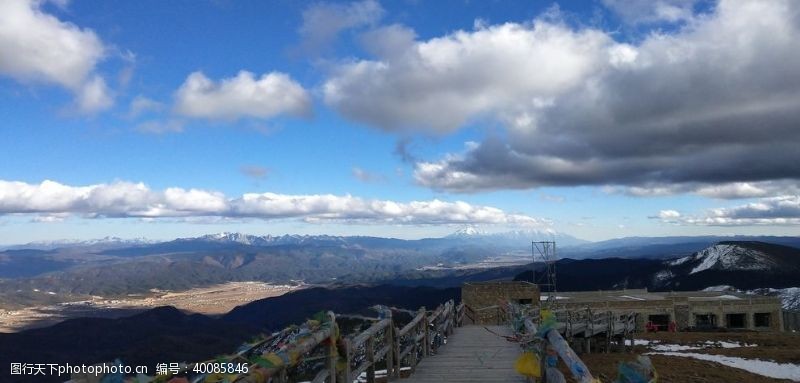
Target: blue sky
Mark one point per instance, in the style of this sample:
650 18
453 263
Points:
408 119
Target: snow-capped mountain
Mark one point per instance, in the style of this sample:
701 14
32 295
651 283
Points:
742 264
728 256
466 232
265 240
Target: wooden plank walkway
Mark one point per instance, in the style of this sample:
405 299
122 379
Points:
471 354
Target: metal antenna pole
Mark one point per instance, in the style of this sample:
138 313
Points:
546 251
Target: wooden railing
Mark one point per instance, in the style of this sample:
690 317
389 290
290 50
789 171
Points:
382 344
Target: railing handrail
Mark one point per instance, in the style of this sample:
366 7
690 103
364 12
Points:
424 334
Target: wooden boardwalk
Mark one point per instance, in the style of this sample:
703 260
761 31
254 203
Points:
471 354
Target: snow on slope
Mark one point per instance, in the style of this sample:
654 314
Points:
729 257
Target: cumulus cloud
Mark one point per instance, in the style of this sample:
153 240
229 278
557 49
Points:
241 96
713 102
125 199
781 210
652 11
323 21
731 190
441 84
668 216
38 47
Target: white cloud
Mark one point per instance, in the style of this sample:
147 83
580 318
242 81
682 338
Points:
323 21
441 84
772 211
730 190
241 96
38 47
125 199
667 215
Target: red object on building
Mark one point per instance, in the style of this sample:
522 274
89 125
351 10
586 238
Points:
673 327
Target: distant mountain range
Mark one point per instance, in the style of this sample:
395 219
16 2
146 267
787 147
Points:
569 246
68 270
95 244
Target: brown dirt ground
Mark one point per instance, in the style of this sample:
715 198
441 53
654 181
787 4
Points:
779 347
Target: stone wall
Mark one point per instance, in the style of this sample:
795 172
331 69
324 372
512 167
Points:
482 297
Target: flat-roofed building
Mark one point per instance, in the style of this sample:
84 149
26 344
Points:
688 309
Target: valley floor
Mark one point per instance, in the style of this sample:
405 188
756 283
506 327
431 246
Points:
211 300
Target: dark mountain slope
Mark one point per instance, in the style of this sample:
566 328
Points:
277 312
600 274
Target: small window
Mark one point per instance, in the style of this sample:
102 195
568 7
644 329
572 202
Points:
525 301
705 321
736 320
761 319
659 321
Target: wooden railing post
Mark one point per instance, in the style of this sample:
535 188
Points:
332 353
427 349
388 335
370 359
347 356
397 360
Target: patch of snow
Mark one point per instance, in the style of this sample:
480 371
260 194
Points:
543 298
790 298
681 261
726 344
720 288
664 275
673 347
725 296
632 298
761 367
